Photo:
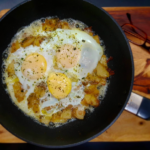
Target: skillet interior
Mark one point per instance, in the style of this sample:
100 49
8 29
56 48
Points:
119 89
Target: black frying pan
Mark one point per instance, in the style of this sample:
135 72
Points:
119 90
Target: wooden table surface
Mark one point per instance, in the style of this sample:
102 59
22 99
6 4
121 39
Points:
128 127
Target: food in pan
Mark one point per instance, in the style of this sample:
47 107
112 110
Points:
56 70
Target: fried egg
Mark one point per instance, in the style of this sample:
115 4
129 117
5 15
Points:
60 60
74 98
31 66
76 51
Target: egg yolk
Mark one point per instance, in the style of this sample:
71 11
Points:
59 85
34 66
68 56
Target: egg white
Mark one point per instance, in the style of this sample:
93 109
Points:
91 53
19 56
74 99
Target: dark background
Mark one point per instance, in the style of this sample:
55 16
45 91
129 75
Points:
102 3
5 4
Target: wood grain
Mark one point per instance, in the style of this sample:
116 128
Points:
3 12
140 18
128 127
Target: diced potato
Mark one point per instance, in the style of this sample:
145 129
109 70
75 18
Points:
91 100
56 118
69 106
94 101
92 89
102 71
79 114
102 81
94 71
45 119
66 114
33 102
103 61
87 98
46 27
38 40
18 91
40 90
27 41
89 31
84 103
10 69
63 25
15 46
12 80
44 110
96 37
92 79
50 24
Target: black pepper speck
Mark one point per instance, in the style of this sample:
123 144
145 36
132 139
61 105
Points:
51 124
4 66
5 55
77 26
43 20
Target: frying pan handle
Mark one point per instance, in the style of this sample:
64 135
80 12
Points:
139 106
